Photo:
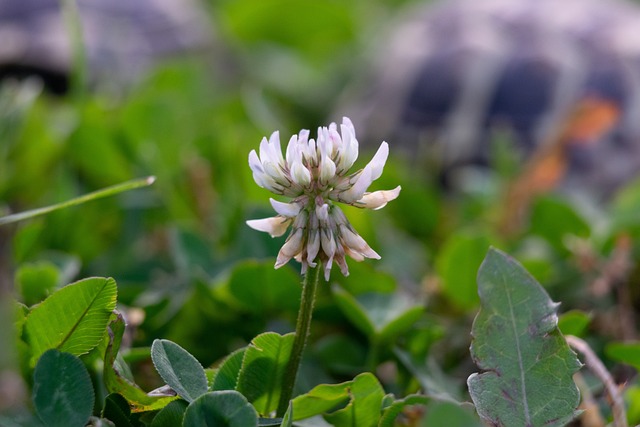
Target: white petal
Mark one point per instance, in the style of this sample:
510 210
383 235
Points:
254 162
322 212
293 153
327 170
378 161
300 174
378 199
286 209
327 268
276 150
291 248
276 226
349 151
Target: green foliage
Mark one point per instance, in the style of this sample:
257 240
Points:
73 319
225 408
37 281
380 316
527 366
226 377
170 415
263 369
180 370
62 391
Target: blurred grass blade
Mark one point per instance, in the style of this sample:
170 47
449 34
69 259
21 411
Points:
105 192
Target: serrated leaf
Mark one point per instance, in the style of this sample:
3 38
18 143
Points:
365 404
226 377
225 408
179 369
171 415
391 412
62 390
116 382
527 365
263 368
73 319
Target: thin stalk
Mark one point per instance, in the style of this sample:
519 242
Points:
303 326
109 191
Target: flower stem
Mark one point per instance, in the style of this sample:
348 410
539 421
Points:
303 326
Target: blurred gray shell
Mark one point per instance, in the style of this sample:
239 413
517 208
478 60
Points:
448 72
122 38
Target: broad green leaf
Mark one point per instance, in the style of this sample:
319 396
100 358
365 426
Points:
527 366
391 412
36 281
179 369
225 408
573 322
263 368
261 289
116 382
226 377
116 409
380 316
457 263
340 354
365 405
62 390
553 219
624 352
171 415
364 395
451 415
73 319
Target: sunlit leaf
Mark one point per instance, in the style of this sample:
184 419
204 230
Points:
363 397
73 319
226 377
527 366
225 408
263 368
62 390
179 369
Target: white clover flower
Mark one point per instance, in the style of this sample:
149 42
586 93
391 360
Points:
314 174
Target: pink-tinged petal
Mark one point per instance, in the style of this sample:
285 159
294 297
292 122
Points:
355 255
291 248
356 243
328 242
344 268
378 199
313 247
254 162
292 153
327 268
322 213
286 209
276 226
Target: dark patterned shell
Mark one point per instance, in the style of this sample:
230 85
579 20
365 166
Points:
121 37
453 70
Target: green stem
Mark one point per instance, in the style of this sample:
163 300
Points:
303 326
109 191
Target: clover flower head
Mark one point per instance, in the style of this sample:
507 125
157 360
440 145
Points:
315 175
